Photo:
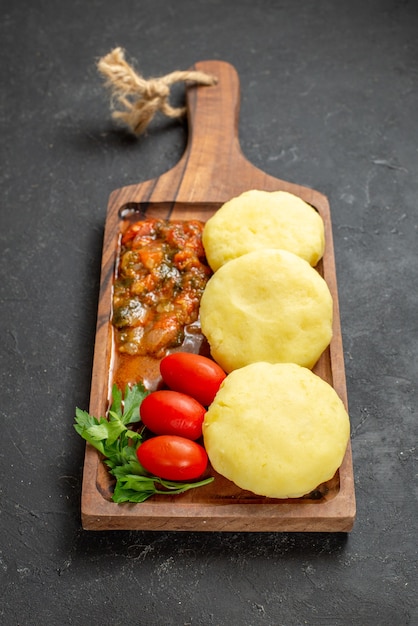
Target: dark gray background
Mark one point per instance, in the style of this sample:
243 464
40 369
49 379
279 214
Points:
330 101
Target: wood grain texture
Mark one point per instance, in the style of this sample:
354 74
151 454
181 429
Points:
211 171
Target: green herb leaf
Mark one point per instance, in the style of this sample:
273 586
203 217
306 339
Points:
116 406
91 429
121 494
134 488
132 402
131 466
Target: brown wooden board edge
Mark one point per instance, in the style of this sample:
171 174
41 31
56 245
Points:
336 515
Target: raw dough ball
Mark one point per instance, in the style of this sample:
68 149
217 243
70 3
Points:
263 219
267 305
277 430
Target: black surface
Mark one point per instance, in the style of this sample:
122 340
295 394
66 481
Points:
330 101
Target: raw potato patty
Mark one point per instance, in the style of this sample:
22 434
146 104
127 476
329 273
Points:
263 219
267 305
276 430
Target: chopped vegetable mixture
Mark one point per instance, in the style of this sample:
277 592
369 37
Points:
161 275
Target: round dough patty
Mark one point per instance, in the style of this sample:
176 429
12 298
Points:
277 430
263 219
267 305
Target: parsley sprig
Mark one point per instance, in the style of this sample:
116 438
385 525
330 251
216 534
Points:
118 444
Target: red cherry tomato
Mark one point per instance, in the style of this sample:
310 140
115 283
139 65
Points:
172 413
192 374
172 457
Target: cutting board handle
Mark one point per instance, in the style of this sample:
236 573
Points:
213 117
213 155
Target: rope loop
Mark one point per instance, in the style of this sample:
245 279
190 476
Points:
142 98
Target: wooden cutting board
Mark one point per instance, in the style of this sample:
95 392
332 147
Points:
211 171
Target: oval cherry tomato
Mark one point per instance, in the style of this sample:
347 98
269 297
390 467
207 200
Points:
193 374
172 413
172 457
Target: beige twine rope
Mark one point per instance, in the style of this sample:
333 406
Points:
142 98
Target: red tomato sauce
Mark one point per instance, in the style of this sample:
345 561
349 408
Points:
161 274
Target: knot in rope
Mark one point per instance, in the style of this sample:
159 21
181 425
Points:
141 99
155 89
